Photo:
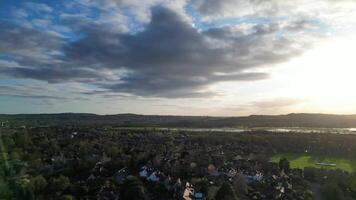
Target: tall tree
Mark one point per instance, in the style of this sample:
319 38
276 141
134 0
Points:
22 139
225 192
5 192
132 189
284 165
332 191
240 184
39 183
60 184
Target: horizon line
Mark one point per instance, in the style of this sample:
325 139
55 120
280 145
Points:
169 115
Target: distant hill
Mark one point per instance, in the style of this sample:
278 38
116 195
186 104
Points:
289 120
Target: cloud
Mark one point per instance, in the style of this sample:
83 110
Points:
37 90
331 12
27 42
239 8
139 10
39 7
27 92
276 103
52 73
169 57
228 8
36 55
20 13
271 106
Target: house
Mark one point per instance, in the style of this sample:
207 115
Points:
198 196
143 172
237 158
254 178
3 124
91 177
188 192
154 177
231 173
73 134
121 175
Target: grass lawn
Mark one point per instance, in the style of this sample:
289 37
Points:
306 160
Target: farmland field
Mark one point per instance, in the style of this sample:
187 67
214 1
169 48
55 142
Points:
304 160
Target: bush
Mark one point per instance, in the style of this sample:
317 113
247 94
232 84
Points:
332 191
225 192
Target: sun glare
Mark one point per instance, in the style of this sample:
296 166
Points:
327 74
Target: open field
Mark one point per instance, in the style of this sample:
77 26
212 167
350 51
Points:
305 160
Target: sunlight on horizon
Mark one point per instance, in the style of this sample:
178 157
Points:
320 81
325 76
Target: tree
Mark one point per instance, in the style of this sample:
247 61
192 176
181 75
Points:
39 183
77 189
352 183
22 140
309 195
309 173
66 197
284 165
60 184
5 192
240 184
14 155
225 192
203 186
158 191
332 191
23 189
132 189
8 142
53 148
113 150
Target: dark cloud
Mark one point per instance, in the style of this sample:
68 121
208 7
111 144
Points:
168 58
170 55
52 74
31 93
23 40
38 55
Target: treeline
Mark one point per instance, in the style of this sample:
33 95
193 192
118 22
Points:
127 120
321 144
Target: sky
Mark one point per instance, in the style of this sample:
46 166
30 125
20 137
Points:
178 57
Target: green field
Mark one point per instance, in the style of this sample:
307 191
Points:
305 160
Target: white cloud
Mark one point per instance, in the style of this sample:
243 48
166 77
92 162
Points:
40 7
